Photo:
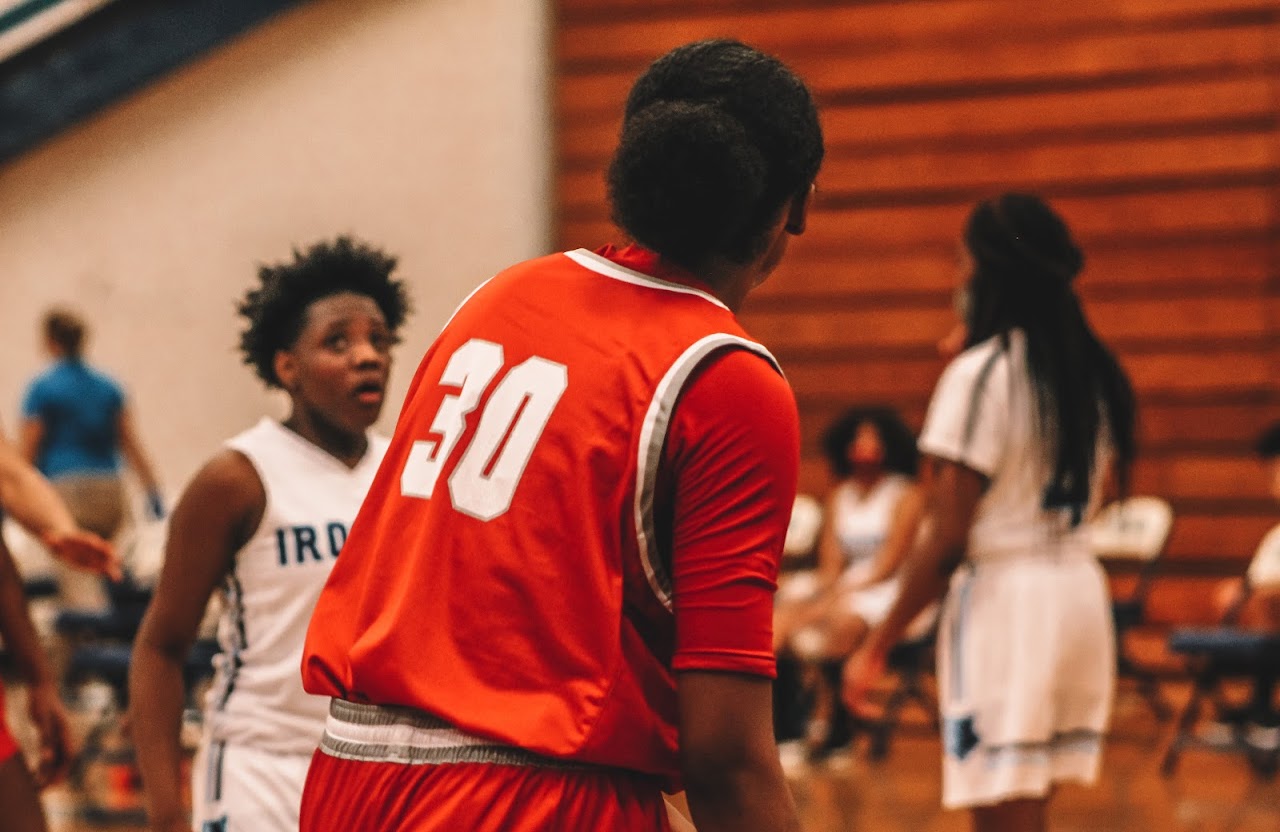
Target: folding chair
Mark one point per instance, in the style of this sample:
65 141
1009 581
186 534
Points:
1217 654
1134 530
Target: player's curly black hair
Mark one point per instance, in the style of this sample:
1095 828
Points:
900 454
717 139
277 309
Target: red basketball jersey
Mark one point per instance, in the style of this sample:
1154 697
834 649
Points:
505 572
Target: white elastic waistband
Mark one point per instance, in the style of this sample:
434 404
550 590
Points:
385 734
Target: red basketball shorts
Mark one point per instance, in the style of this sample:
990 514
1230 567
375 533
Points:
359 796
393 770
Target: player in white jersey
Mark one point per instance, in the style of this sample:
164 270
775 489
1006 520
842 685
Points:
1021 431
265 519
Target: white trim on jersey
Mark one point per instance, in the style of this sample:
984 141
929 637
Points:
608 268
653 435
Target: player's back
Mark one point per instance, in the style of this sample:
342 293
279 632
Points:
510 533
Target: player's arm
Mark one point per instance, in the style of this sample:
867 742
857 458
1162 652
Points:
734 445
30 438
31 501
952 504
964 440
23 646
218 512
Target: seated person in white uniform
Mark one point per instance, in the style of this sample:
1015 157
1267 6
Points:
264 521
1020 434
871 519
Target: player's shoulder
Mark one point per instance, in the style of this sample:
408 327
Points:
229 478
741 385
740 370
983 360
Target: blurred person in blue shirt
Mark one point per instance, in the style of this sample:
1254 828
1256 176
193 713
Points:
76 427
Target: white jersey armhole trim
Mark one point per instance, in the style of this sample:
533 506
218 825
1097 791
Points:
653 435
608 268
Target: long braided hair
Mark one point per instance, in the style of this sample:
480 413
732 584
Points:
1024 268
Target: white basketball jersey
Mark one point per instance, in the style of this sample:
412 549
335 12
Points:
862 520
983 415
257 698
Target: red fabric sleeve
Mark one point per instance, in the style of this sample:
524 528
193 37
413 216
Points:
730 462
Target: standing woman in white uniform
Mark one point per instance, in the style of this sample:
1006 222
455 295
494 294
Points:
264 520
1021 432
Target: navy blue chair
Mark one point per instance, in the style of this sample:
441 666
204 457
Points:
1227 652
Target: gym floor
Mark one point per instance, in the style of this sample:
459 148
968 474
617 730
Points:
1209 793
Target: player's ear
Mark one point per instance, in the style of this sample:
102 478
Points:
798 212
285 366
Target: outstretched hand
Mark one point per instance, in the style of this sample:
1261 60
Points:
861 673
86 551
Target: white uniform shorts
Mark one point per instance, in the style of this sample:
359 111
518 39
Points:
1026 676
239 789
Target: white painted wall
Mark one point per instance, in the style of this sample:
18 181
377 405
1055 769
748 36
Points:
419 125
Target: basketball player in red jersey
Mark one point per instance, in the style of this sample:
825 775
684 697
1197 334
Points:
556 601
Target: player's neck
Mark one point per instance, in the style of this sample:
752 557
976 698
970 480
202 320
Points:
866 481
730 282
344 446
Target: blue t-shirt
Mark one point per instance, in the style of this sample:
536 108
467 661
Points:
79 408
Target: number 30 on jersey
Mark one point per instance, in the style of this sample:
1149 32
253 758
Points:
484 481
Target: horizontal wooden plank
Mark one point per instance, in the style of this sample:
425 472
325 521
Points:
1146 108
1232 485
1178 214
1175 424
912 379
1225 263
1168 213
1202 449
1075 163
1202 477
1179 600
1182 106
1231 537
1046 166
915 69
1192 320
1228 371
589 30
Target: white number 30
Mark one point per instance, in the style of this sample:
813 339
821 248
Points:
485 479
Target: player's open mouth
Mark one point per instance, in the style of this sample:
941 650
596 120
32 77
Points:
369 393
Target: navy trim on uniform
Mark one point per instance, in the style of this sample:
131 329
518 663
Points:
235 660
